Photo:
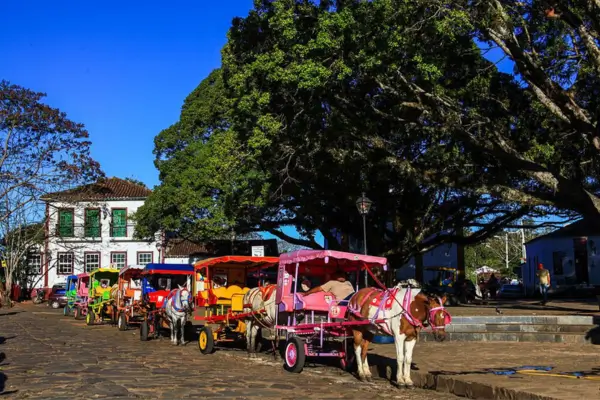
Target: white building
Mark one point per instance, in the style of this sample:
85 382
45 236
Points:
571 255
90 227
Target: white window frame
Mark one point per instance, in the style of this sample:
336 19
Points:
118 265
37 266
86 262
145 253
62 264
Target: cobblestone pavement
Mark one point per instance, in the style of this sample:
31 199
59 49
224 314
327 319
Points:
46 355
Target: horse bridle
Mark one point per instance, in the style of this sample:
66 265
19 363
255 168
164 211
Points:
432 312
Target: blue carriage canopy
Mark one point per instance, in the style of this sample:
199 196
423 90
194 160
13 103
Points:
71 282
168 269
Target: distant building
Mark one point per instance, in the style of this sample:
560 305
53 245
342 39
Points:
444 255
420 266
571 254
184 251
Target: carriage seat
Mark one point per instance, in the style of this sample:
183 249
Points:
135 294
158 297
232 296
320 301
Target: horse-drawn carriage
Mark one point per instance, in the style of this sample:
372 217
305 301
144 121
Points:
80 303
166 292
128 297
70 294
100 306
221 286
317 324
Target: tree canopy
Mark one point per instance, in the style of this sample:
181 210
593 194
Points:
317 102
42 151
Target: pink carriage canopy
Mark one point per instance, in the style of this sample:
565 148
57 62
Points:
319 262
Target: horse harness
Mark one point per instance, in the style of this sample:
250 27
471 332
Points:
384 300
175 294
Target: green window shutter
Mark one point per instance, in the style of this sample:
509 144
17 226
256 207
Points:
65 223
92 223
119 223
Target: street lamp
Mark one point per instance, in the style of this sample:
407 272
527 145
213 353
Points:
363 205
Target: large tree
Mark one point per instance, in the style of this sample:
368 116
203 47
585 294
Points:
41 151
319 101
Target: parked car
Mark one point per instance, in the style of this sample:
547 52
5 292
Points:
58 296
508 291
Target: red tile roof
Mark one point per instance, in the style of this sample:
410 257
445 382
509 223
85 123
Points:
184 248
105 189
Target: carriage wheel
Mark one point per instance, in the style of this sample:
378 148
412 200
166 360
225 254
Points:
206 341
66 311
77 313
144 330
122 322
90 318
294 355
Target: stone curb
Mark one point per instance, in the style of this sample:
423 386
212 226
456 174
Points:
471 390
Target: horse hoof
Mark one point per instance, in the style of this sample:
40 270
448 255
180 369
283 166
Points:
400 385
410 387
369 379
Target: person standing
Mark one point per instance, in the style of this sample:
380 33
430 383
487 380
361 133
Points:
544 277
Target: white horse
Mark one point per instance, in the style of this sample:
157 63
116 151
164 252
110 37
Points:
177 308
261 302
402 313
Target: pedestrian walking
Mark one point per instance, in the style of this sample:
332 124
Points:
544 277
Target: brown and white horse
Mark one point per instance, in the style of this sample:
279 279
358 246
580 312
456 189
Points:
398 312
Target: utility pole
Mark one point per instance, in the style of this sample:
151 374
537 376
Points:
506 249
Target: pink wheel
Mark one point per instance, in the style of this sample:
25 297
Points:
295 355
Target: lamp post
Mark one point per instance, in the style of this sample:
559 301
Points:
363 204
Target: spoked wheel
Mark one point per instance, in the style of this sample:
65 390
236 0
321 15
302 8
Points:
144 330
122 322
66 311
90 318
206 341
294 355
77 313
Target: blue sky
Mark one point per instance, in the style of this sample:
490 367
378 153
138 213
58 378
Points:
121 68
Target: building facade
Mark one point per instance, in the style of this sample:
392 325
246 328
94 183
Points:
90 227
571 255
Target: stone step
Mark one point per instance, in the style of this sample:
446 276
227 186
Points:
517 327
528 319
547 337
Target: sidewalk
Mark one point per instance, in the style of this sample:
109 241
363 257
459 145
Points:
528 307
462 368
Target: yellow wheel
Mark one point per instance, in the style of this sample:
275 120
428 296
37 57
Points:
206 342
90 318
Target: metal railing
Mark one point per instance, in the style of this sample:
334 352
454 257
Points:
78 230
95 231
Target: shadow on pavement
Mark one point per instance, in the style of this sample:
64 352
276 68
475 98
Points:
4 338
10 313
386 367
3 377
593 335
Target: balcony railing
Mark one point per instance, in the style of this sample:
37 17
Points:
94 232
79 231
121 230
